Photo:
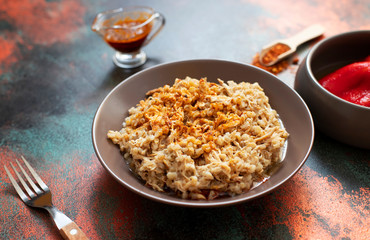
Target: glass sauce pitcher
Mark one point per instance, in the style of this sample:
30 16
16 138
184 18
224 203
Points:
127 30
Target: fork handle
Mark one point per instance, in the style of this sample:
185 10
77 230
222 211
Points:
72 232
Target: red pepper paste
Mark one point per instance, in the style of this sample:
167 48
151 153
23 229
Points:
351 82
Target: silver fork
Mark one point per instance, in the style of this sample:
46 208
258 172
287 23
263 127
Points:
42 199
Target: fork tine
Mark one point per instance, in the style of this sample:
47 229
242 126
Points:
35 175
28 190
33 185
19 190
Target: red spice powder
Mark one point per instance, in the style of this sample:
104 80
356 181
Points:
275 69
271 55
274 52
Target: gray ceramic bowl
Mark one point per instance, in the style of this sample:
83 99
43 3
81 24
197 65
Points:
113 110
342 120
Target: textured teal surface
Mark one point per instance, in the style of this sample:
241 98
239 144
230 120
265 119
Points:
54 75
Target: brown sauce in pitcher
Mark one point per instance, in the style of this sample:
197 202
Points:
125 38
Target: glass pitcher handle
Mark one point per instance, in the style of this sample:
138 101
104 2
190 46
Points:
158 24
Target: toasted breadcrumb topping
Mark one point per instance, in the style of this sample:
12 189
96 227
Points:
201 139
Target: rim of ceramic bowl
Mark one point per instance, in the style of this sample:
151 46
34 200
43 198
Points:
316 82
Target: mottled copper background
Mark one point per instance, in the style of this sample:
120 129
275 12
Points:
54 72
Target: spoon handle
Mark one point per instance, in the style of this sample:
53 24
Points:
305 35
